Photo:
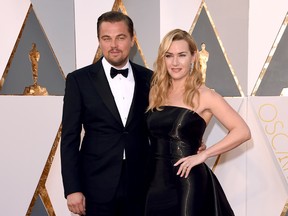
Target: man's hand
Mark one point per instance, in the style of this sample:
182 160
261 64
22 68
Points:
76 203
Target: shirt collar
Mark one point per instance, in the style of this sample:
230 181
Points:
107 66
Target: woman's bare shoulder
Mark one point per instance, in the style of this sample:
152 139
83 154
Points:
209 96
208 92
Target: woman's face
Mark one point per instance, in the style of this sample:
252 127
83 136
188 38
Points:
178 60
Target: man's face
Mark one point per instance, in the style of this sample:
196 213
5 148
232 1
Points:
115 42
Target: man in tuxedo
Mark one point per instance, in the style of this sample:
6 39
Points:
105 173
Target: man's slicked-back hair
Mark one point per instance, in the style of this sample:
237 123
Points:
115 16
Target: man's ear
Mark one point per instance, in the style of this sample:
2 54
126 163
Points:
133 41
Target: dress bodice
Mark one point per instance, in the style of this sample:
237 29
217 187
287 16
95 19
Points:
181 127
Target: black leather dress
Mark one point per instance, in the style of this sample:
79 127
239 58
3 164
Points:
177 132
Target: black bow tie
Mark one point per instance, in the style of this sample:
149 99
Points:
114 72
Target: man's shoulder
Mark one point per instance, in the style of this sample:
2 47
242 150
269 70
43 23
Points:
141 69
85 70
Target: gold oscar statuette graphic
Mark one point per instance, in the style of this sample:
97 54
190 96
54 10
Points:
203 59
35 89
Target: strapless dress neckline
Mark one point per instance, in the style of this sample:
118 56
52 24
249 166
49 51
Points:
184 108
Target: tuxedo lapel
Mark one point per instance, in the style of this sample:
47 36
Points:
139 92
101 84
133 104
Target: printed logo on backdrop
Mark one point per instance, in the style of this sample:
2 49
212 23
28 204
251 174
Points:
272 114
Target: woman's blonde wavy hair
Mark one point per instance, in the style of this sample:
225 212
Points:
161 80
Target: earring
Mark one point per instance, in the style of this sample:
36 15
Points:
191 68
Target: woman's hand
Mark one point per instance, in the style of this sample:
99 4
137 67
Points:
187 163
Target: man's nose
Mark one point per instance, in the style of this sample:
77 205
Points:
113 43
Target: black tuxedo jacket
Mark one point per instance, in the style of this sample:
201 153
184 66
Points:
94 166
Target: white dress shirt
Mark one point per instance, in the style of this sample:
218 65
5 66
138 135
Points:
122 89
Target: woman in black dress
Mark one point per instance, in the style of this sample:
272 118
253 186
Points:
180 107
